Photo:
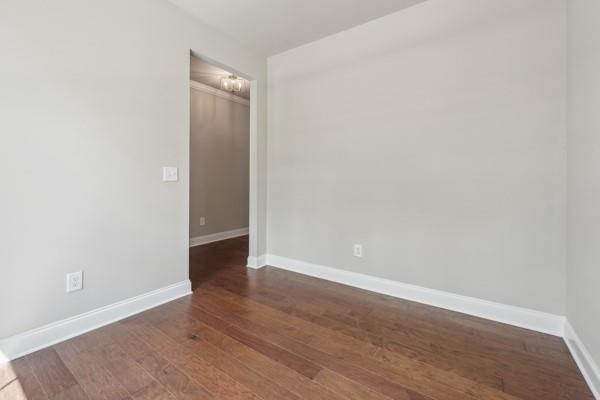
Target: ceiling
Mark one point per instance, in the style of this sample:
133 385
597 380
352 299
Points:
209 74
273 26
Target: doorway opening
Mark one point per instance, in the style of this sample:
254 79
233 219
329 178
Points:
220 169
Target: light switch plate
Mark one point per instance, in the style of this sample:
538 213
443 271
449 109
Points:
170 174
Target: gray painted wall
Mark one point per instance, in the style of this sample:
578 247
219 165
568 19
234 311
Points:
93 103
435 137
583 265
219 157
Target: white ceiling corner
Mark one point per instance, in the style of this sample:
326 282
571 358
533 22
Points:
273 26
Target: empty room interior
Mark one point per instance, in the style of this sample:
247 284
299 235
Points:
300 200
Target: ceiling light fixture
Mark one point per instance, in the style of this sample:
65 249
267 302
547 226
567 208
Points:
232 84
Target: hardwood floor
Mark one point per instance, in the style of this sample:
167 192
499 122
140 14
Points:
272 334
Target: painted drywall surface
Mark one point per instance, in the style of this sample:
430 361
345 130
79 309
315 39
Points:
219 158
434 137
94 102
583 250
272 26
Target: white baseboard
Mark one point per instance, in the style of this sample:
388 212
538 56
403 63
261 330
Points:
257 262
522 317
216 237
584 360
24 343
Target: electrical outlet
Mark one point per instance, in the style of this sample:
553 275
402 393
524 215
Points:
202 221
74 281
358 250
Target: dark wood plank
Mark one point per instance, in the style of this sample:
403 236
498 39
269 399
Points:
18 382
221 385
94 379
171 377
346 388
259 384
289 378
55 378
137 381
72 393
276 353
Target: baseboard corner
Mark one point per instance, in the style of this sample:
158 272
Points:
583 359
256 262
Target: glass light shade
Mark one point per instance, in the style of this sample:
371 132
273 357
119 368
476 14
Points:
238 84
232 83
227 84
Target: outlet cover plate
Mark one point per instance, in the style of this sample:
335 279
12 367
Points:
358 250
74 281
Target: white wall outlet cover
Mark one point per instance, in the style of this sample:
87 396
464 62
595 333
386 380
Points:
202 221
74 281
358 250
170 174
